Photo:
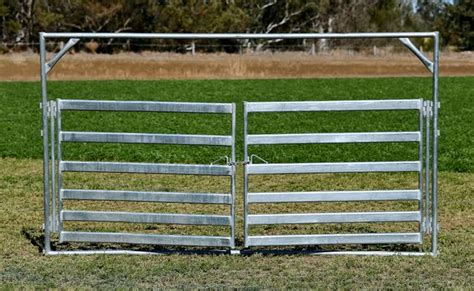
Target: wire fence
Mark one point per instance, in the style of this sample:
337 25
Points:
309 47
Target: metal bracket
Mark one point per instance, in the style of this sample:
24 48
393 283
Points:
226 158
407 42
49 65
255 156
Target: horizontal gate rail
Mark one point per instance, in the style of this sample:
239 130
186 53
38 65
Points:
145 196
307 168
331 239
343 217
147 138
307 106
332 196
153 239
145 168
144 106
163 218
348 137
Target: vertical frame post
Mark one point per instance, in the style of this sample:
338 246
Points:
435 145
44 102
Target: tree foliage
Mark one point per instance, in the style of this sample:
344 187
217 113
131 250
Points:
21 21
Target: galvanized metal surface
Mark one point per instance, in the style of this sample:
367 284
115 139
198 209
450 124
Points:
341 217
347 137
333 196
144 106
134 217
71 42
331 239
145 168
154 239
45 136
434 181
145 196
407 42
194 36
124 137
308 168
359 105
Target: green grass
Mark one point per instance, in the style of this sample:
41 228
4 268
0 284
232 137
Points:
21 263
20 118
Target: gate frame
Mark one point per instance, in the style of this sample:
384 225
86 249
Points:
404 37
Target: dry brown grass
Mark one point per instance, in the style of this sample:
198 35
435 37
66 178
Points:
24 67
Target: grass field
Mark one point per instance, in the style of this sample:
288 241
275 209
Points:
22 264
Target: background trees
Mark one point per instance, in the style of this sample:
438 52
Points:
21 21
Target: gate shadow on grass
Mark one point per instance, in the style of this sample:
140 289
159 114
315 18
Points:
36 238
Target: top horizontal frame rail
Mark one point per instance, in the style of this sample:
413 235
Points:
356 105
240 35
144 106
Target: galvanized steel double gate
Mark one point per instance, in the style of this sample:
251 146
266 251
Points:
425 194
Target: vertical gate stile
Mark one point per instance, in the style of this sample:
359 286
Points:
60 174
233 177
421 114
427 167
246 178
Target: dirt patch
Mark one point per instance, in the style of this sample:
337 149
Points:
24 67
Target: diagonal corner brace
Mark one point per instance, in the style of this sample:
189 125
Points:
428 64
49 65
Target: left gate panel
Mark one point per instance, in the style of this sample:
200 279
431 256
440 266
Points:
59 215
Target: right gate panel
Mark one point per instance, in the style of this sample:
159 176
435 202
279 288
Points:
415 195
